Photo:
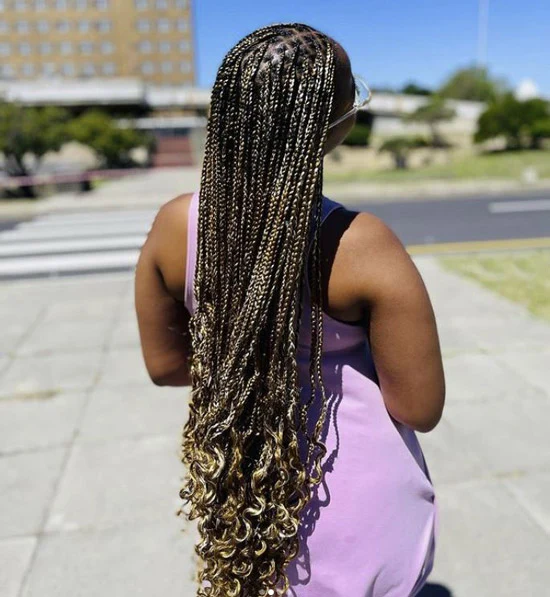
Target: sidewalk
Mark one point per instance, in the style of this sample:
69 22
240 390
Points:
89 467
154 187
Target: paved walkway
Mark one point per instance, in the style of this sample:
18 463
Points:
89 467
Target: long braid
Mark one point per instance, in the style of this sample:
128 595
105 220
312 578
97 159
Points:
260 196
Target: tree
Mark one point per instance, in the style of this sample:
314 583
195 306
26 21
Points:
521 123
432 113
400 147
473 83
111 144
411 88
26 130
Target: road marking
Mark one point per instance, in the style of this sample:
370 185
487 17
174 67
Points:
506 207
70 246
480 245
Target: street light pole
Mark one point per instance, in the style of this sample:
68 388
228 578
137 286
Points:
482 33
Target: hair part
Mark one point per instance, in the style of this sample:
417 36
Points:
247 481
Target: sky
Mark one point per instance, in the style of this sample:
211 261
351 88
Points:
392 42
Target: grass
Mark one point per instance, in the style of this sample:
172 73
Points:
523 277
502 165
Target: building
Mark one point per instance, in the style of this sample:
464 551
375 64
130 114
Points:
78 39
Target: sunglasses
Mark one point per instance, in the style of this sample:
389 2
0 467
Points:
363 96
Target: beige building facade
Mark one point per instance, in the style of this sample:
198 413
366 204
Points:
79 39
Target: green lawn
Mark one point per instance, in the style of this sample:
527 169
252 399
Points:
508 165
523 277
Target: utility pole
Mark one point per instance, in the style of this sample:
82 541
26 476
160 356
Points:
482 33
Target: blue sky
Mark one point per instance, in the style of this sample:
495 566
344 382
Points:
393 41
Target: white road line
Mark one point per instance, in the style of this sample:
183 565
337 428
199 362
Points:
88 221
59 232
69 245
505 207
105 214
75 261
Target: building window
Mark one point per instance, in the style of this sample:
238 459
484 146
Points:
166 67
107 47
68 69
61 4
181 4
49 69
5 49
84 26
165 47
86 47
22 26
161 4
102 4
143 25
42 26
147 68
20 5
63 26
81 4
163 25
4 28
141 4
7 70
27 69
182 24
88 69
25 49
185 66
40 5
66 47
108 68
104 26
184 45
45 48
145 46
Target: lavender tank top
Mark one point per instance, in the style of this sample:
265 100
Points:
370 529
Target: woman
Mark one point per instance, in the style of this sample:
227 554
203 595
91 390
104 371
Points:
308 337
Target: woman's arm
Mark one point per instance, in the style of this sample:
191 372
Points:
158 293
403 332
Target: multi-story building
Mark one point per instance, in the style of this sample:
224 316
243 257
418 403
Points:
149 39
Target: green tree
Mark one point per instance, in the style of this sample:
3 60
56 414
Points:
400 148
27 130
112 144
539 131
432 113
473 83
358 136
519 122
412 88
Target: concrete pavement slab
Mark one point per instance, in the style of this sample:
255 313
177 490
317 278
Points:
123 367
533 365
131 561
33 424
475 376
134 411
15 555
27 485
89 309
117 483
533 493
488 544
125 333
61 337
40 375
509 434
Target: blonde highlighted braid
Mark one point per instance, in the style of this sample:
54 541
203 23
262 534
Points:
260 196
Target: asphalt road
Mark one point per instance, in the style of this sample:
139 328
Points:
460 220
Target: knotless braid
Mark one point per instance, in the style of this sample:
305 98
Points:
260 198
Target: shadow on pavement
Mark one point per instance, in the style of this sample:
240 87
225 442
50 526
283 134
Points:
434 590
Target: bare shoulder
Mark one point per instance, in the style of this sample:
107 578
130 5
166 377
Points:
168 239
376 259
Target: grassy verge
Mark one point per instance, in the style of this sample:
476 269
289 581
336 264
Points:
501 165
523 277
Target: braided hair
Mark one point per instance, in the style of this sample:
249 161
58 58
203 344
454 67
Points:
247 480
